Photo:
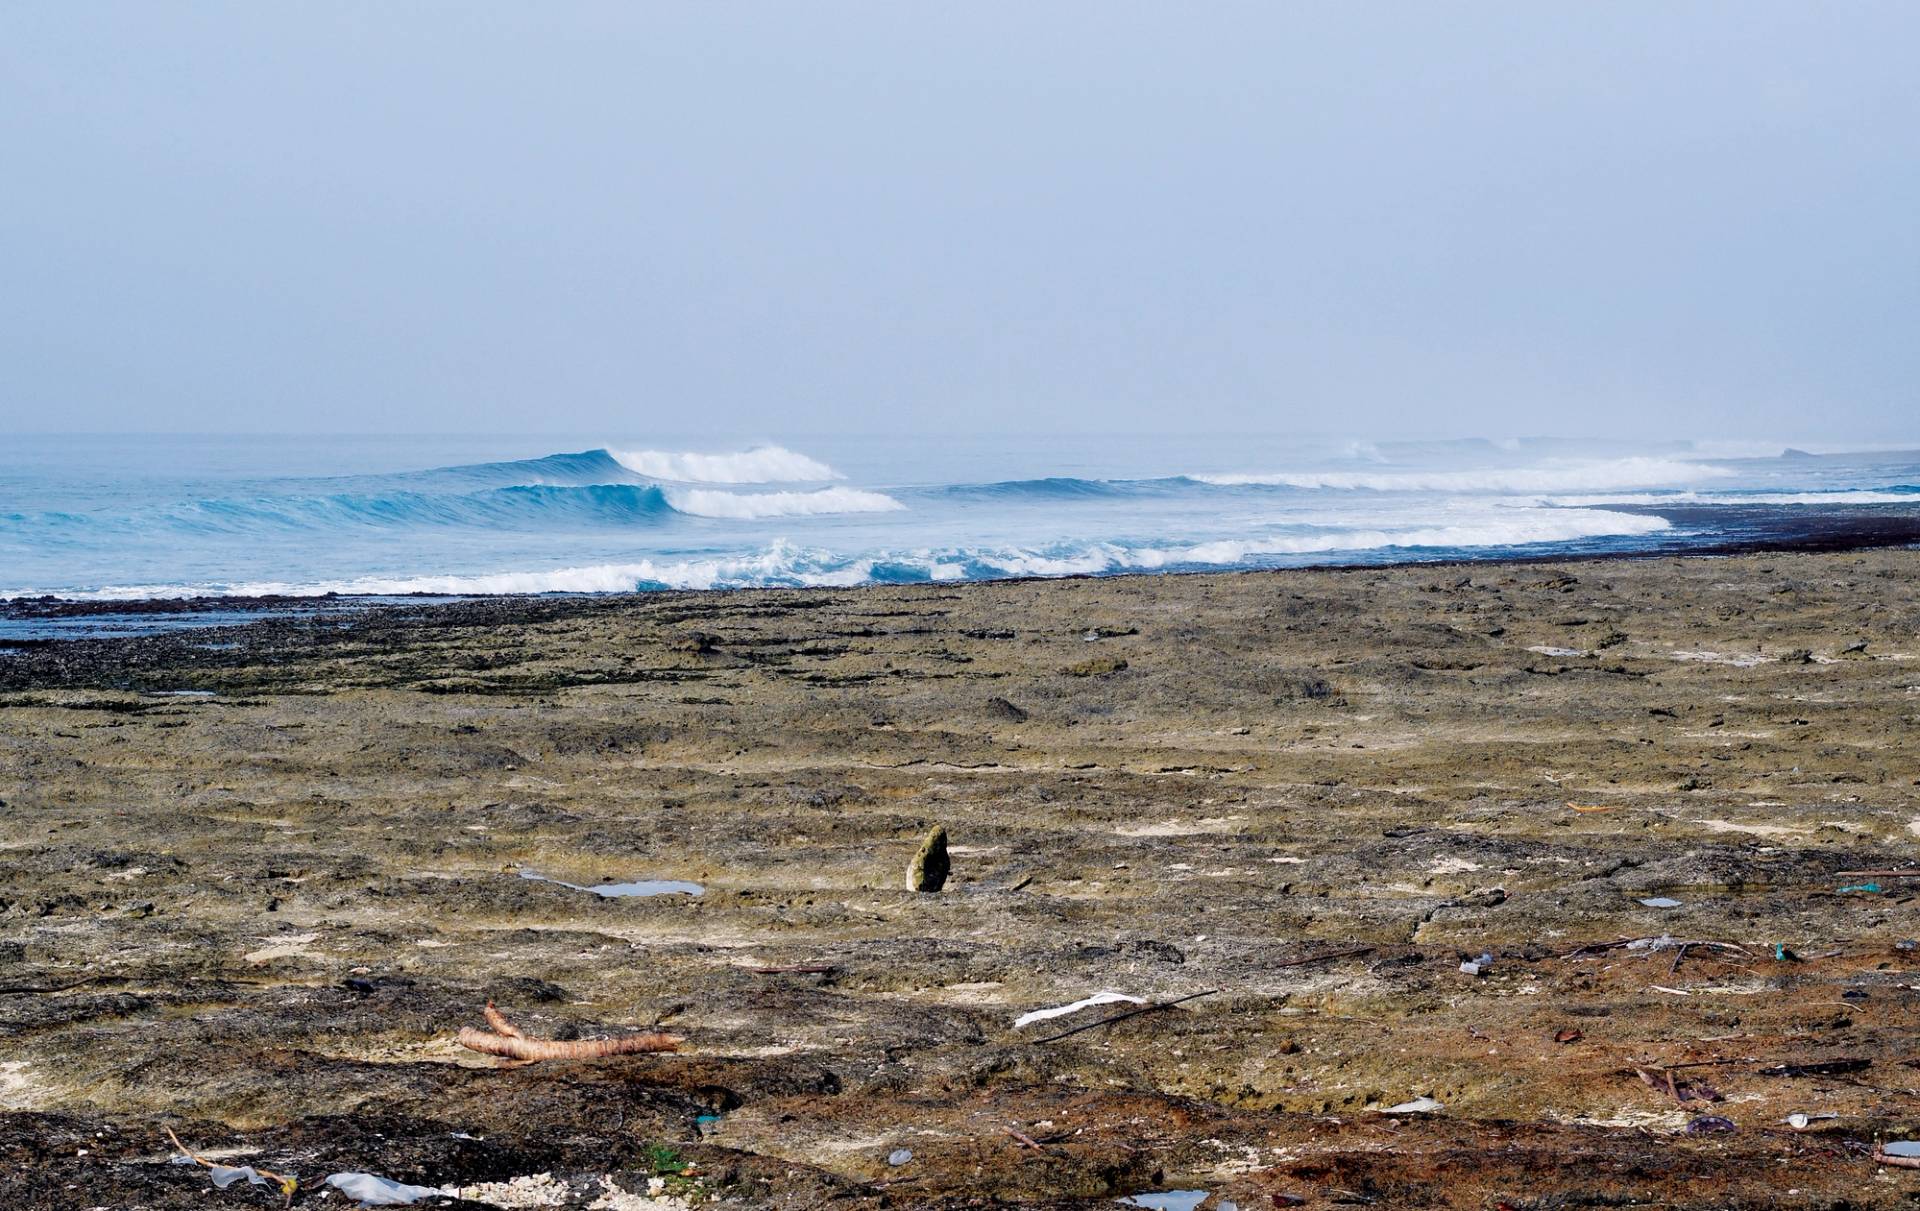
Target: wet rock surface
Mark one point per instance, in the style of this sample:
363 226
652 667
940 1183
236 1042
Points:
259 912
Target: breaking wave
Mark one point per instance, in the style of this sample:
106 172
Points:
602 520
518 508
761 465
785 565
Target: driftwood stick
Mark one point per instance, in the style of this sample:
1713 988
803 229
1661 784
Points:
1131 1013
520 1048
505 1040
499 1022
1024 1140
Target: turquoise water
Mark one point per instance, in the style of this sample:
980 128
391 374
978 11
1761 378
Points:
128 517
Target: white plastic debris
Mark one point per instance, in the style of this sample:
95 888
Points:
374 1191
899 1156
1474 967
1419 1105
1661 902
1901 1147
1800 1122
225 1175
1061 1011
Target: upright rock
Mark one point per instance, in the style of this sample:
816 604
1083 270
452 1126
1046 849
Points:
930 865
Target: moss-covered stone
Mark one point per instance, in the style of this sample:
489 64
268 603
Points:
930 866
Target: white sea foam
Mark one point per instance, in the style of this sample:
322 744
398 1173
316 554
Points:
1611 474
1846 497
760 465
785 564
711 502
1536 526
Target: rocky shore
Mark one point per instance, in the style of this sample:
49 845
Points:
1495 885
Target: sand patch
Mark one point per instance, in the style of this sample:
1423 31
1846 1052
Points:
293 947
1178 828
1758 830
16 1087
1743 661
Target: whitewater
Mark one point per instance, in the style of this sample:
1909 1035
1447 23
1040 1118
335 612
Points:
128 518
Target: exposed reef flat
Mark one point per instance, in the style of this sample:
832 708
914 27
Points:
254 879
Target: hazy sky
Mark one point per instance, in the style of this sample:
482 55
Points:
781 218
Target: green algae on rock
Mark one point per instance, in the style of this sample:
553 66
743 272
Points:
930 866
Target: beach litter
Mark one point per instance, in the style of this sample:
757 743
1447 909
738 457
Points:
1419 1105
1902 1154
367 1189
374 1191
639 887
226 1175
1059 1011
1824 1068
1166 1200
1801 1121
1711 1124
899 1156
1871 889
1661 902
1662 1080
1474 967
1148 1007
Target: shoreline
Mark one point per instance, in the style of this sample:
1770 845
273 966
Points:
1827 531
256 886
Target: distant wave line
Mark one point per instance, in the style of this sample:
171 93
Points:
785 565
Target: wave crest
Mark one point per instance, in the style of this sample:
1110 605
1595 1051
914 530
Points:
1899 494
760 465
1559 477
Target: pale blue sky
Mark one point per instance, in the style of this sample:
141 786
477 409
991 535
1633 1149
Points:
1661 218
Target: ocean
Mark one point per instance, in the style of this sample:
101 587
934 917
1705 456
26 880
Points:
126 518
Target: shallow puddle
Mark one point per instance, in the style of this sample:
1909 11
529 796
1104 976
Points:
640 887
